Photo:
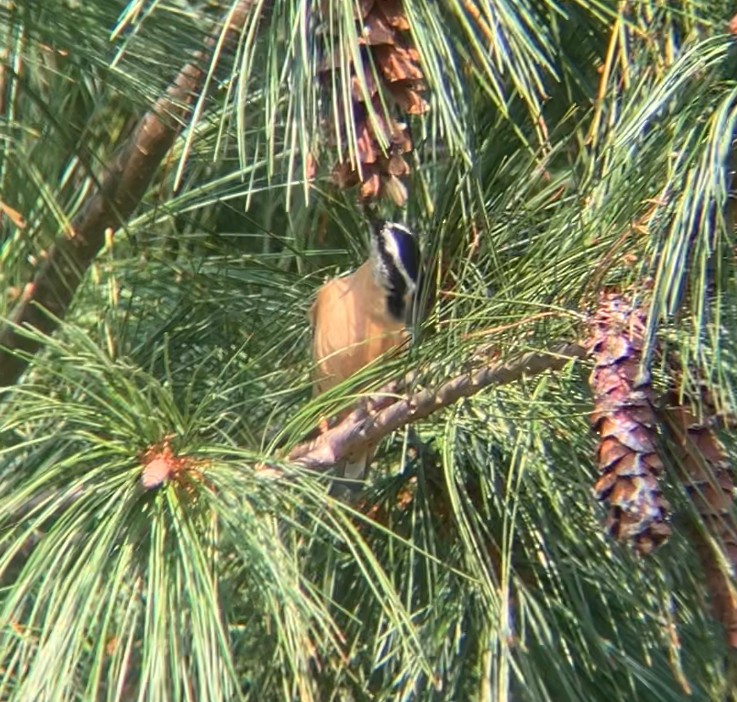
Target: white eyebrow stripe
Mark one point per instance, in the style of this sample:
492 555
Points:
392 249
388 226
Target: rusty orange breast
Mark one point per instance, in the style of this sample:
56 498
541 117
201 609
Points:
351 327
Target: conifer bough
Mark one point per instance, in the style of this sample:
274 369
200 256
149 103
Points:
384 413
119 192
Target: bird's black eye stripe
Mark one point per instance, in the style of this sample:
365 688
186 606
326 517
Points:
395 300
396 285
406 246
395 305
398 256
408 253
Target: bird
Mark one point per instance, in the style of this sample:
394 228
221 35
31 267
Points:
359 317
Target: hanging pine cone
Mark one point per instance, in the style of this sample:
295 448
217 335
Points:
381 141
709 483
624 419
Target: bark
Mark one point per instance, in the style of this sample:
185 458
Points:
384 412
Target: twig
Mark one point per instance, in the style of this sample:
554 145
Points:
119 192
381 415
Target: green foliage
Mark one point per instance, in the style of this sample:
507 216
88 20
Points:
579 148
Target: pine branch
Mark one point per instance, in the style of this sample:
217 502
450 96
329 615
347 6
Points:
118 194
383 413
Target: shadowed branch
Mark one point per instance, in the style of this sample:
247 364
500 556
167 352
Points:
119 192
383 413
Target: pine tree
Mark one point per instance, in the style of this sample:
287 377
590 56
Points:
178 178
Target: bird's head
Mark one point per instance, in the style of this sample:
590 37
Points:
395 259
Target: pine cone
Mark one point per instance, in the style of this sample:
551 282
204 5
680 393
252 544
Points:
385 44
624 419
711 487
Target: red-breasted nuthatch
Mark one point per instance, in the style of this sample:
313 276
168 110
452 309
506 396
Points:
359 317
